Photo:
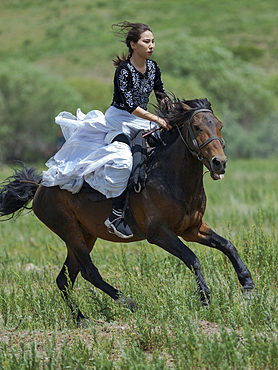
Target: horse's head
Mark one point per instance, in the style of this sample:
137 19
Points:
200 131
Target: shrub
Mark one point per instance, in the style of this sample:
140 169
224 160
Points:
229 81
30 97
95 94
260 141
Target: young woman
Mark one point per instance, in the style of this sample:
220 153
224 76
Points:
97 147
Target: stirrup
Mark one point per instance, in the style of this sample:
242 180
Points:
118 225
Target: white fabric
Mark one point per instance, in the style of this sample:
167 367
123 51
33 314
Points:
89 154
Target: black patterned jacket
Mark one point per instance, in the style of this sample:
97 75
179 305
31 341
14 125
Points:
133 88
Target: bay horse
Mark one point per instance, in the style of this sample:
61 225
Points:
170 207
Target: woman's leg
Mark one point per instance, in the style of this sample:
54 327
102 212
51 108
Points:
116 223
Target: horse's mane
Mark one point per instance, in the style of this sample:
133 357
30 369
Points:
176 113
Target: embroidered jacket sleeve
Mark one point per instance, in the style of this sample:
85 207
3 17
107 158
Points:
123 90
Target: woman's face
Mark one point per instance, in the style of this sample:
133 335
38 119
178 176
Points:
144 47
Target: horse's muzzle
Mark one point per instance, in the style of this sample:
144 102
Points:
218 166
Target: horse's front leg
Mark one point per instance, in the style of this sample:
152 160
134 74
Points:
207 236
166 239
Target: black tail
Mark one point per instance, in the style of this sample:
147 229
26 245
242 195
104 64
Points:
17 191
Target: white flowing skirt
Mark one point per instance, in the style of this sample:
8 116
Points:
89 154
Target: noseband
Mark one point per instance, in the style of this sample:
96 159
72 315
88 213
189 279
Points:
196 151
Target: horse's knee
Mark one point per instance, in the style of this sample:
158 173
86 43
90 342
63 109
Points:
229 248
224 245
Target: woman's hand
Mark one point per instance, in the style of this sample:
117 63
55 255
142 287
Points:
164 124
142 113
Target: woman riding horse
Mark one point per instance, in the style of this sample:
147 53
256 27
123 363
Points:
98 150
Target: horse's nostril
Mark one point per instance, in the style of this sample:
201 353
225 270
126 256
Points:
219 164
216 162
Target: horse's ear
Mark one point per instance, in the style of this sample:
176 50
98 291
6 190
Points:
185 107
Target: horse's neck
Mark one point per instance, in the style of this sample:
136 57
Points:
188 170
175 169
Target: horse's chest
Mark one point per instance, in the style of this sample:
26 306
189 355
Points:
190 220
186 212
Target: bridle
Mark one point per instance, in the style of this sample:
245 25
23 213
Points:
196 151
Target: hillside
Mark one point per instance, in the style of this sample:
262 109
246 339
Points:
226 51
75 39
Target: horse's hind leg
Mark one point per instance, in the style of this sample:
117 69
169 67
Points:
67 276
90 272
51 207
77 245
79 260
65 281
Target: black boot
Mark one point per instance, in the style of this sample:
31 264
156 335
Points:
116 225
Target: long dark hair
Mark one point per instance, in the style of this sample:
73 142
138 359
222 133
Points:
131 32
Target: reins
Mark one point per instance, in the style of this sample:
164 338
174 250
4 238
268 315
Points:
30 182
151 132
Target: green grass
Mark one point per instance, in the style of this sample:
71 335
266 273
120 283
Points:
169 328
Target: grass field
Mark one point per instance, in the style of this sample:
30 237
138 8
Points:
169 328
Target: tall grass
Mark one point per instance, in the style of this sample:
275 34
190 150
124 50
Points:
169 329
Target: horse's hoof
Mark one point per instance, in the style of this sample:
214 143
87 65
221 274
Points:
205 304
126 302
84 323
204 298
130 304
248 294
